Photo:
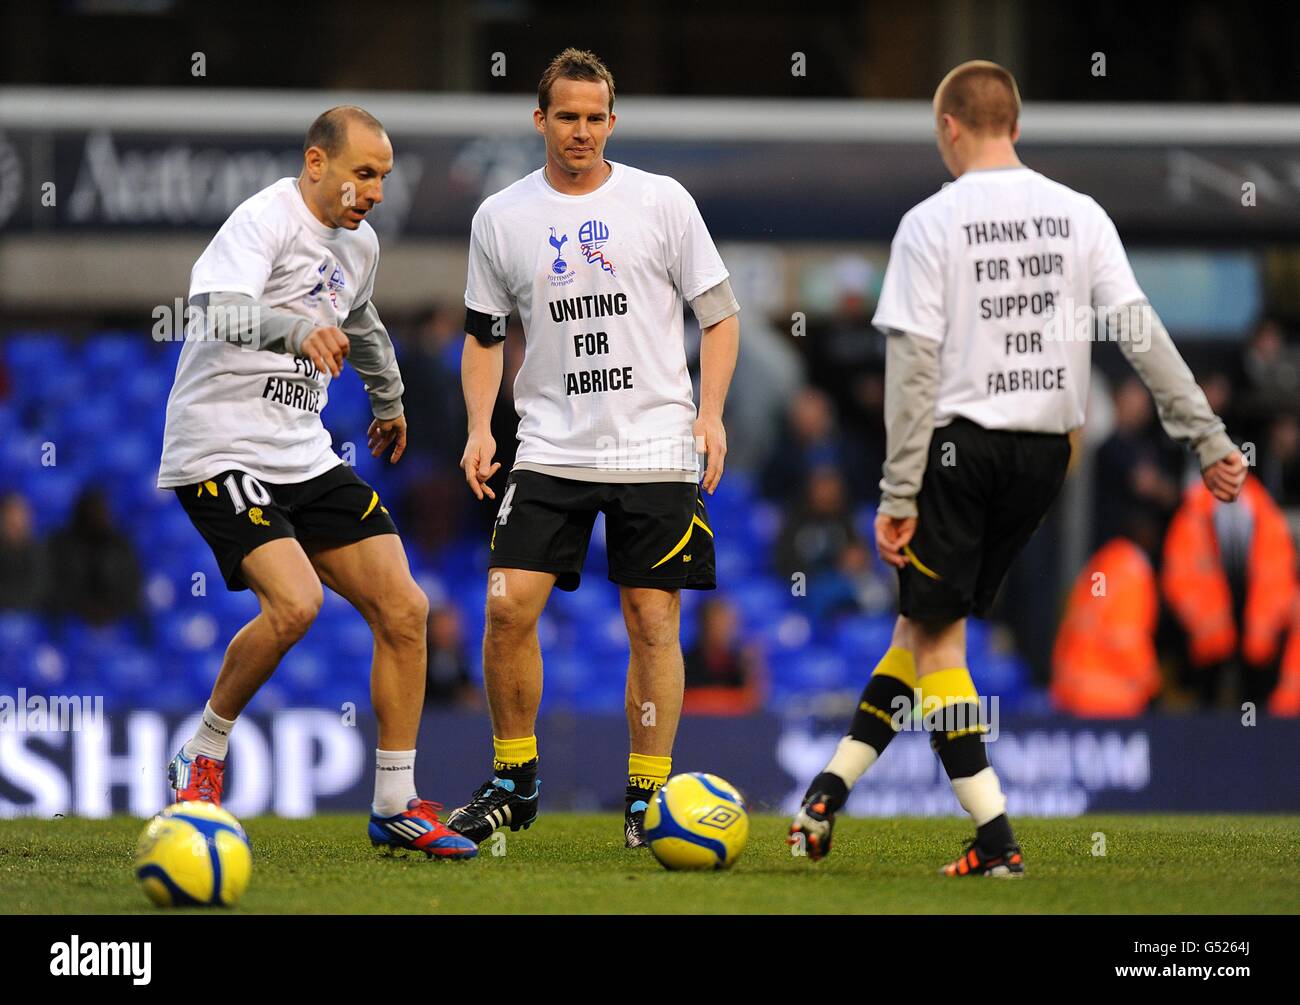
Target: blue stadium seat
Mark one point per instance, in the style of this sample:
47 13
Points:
863 639
116 352
30 354
20 632
788 633
814 668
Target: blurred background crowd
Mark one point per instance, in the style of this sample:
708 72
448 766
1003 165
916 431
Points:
1195 608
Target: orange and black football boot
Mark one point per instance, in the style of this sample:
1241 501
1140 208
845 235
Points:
812 826
1007 864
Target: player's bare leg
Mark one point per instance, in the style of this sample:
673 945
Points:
512 657
655 680
290 595
512 678
373 576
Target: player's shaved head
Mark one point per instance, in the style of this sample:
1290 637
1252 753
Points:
574 64
982 96
330 130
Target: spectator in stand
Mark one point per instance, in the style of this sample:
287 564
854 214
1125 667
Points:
723 677
433 504
1271 371
1104 663
1137 469
812 439
1279 464
1229 576
24 560
860 584
99 577
448 682
817 529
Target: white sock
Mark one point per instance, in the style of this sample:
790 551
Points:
212 738
394 781
852 759
981 796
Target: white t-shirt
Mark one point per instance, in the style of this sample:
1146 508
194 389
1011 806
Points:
1004 267
599 281
259 410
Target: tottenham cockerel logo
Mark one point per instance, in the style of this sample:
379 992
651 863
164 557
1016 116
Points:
592 236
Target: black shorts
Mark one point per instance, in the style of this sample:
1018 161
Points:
236 513
984 494
657 533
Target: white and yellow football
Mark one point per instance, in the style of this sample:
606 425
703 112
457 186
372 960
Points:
697 821
193 855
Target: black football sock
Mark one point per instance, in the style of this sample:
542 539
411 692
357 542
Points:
956 735
832 787
523 775
638 794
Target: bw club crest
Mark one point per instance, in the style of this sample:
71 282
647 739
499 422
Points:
592 236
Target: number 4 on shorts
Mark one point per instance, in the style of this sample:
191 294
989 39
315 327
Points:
503 514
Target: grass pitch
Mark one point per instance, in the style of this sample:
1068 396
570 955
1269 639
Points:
576 864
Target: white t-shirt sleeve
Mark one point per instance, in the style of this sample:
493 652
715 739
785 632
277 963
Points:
1113 282
239 259
694 262
485 290
912 295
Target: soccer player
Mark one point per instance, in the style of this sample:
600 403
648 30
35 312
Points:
988 305
597 257
285 294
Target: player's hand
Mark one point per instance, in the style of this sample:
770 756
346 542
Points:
893 534
477 463
1224 478
711 439
326 347
383 433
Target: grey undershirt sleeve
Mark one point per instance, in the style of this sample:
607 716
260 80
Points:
370 351
1184 412
911 386
237 317
715 304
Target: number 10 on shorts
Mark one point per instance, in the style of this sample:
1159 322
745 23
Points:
254 489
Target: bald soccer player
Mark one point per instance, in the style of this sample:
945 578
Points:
285 293
988 306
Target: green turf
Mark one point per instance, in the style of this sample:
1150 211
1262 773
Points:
576 864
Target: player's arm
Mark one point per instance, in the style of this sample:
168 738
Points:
481 363
240 319
372 356
718 314
911 387
1184 411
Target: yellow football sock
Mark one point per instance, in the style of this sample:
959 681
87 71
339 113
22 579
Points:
646 771
512 753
